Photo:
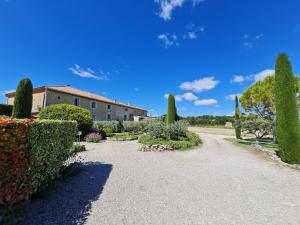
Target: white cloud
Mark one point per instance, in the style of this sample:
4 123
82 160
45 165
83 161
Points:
8 91
181 109
89 73
168 40
232 97
238 79
191 35
263 74
230 114
166 96
204 84
206 102
186 96
166 7
249 42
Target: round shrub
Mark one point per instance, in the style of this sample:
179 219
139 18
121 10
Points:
176 130
69 112
156 129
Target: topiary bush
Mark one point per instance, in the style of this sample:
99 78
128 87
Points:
287 118
6 110
171 116
82 116
237 118
114 125
23 100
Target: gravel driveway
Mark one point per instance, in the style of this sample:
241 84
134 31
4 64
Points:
217 184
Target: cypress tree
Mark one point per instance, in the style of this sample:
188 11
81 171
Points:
287 119
23 100
237 117
171 116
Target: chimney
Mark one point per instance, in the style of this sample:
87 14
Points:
129 104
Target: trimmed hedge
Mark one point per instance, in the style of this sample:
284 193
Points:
15 161
31 155
50 141
6 110
69 112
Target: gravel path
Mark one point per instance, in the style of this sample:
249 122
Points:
217 184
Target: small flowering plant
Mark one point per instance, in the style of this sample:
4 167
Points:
93 137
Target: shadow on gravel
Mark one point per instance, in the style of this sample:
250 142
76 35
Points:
71 203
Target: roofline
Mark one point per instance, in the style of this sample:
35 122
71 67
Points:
44 88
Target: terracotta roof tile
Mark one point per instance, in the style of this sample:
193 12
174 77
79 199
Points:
85 94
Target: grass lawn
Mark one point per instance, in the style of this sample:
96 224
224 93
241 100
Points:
249 142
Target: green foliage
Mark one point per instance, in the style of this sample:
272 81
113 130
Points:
126 136
15 161
69 112
171 116
287 118
258 127
93 137
192 140
176 130
77 148
237 117
50 141
208 120
156 129
31 156
6 110
114 125
135 127
23 100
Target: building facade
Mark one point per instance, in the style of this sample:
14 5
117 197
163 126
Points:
101 107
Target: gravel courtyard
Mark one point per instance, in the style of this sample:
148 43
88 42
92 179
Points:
217 184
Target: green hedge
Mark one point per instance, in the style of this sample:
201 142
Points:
50 141
69 112
6 110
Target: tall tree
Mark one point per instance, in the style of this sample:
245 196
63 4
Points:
171 116
237 118
23 100
287 118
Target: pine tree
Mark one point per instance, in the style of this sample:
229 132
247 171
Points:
23 100
287 118
237 118
171 116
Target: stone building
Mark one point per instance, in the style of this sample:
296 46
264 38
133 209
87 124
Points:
101 107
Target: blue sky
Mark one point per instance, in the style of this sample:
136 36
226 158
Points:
204 52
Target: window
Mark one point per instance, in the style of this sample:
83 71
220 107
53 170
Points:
76 101
126 109
108 116
109 107
125 117
93 105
